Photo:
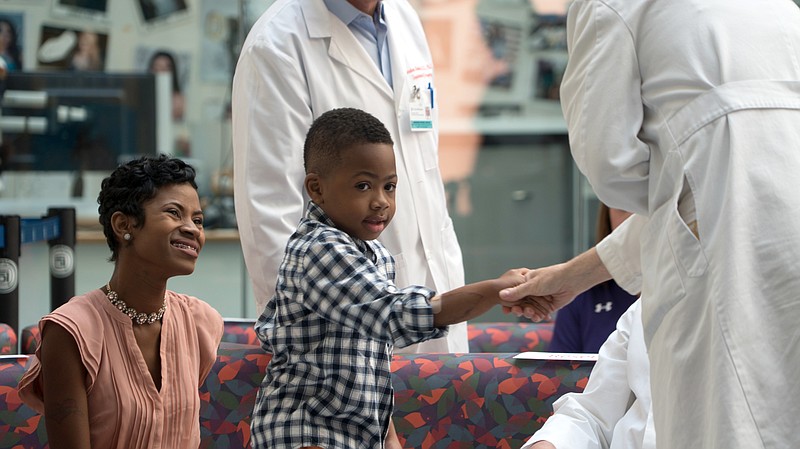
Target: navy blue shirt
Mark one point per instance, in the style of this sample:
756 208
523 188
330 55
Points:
584 324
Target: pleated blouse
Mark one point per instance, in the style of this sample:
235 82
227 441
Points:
126 411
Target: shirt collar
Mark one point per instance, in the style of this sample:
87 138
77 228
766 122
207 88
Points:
314 212
347 13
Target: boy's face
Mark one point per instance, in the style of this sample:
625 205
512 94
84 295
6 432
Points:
359 194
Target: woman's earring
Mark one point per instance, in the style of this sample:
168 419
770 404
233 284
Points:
127 236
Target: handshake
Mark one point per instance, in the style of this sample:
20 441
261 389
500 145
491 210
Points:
542 291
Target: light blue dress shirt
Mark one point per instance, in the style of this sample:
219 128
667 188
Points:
369 31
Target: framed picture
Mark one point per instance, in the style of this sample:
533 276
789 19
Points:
71 49
92 8
22 2
12 47
155 12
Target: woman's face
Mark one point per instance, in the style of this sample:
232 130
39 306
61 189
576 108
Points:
87 40
6 35
161 64
172 236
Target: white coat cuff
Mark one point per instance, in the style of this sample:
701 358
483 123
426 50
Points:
620 252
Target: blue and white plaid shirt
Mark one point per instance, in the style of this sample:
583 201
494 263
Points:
330 328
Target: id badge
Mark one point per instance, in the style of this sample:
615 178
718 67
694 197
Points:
421 108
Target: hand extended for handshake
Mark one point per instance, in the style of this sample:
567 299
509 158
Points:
548 289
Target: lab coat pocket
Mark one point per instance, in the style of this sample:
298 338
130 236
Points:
686 245
663 286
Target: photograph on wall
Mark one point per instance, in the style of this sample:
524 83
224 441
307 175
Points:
504 41
176 63
22 2
155 12
87 8
71 49
12 32
549 70
219 40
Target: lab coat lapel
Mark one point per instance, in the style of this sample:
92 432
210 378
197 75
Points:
396 36
343 46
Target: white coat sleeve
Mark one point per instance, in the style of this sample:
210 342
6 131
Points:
587 420
602 105
620 253
270 116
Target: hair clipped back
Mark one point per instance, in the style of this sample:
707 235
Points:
336 131
133 183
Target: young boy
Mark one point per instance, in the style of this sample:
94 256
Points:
336 314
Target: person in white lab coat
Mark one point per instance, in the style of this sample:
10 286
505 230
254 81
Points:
303 58
688 113
614 411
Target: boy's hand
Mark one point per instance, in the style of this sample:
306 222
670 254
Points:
512 278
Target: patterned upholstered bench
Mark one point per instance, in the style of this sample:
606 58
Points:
509 337
442 401
19 424
8 340
29 339
483 337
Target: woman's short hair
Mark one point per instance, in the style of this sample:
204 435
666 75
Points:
132 184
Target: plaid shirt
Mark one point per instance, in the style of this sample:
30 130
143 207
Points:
330 328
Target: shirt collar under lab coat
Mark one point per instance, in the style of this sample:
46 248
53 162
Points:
369 31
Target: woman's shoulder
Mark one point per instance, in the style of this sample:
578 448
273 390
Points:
81 307
201 311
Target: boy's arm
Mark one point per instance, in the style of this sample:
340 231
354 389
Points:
472 300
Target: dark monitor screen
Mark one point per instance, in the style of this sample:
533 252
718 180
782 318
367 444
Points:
94 121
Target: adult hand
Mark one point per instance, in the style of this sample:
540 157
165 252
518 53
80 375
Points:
548 289
542 293
543 445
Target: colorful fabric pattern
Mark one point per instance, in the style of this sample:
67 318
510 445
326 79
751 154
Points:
241 331
29 339
232 383
509 337
19 424
483 337
476 401
8 339
442 401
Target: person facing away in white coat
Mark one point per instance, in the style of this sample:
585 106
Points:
303 58
688 113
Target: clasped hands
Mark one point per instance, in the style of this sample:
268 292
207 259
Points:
539 293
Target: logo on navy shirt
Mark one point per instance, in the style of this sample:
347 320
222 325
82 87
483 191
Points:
602 307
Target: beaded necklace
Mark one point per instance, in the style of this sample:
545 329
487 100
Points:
135 316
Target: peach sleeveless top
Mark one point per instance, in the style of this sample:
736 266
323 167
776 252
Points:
126 411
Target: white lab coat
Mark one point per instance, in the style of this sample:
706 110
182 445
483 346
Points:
684 110
613 412
298 62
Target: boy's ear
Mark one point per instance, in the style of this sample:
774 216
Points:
314 187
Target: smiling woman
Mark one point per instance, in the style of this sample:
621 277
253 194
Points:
120 366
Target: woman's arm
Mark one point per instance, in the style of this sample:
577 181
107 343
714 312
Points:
66 409
392 442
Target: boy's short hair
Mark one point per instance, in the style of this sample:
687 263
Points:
337 130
